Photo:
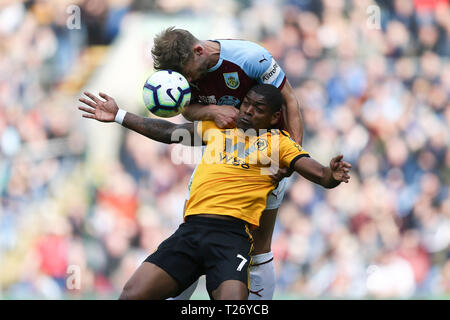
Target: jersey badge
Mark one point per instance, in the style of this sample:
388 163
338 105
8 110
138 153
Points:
231 80
261 144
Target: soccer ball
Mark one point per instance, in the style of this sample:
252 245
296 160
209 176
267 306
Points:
166 93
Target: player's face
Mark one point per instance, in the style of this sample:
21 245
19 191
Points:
196 68
255 113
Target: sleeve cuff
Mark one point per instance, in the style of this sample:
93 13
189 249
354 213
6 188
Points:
282 83
291 165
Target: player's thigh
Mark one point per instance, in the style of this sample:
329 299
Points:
149 282
231 290
179 256
172 266
262 236
187 293
228 258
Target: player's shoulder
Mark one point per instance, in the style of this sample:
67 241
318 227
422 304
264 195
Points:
279 135
243 52
287 143
285 134
254 60
238 46
286 138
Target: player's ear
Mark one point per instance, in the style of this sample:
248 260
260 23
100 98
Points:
275 118
198 49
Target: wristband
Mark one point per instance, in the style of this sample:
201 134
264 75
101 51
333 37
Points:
120 115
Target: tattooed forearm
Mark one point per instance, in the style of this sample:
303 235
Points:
155 129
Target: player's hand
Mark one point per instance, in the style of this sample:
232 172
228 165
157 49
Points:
340 169
280 174
225 116
101 110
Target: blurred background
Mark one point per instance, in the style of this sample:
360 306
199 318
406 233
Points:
83 203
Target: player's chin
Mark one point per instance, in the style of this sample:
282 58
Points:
243 124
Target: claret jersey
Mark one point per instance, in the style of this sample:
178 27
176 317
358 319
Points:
242 64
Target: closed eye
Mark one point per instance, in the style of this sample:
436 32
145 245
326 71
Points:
258 109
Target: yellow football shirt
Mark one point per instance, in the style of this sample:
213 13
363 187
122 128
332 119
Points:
232 177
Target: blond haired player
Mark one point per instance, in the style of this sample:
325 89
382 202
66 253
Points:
221 71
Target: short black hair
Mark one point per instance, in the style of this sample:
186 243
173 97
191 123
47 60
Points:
272 95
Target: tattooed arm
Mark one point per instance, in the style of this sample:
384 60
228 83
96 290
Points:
155 129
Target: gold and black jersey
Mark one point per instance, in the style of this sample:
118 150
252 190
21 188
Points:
233 177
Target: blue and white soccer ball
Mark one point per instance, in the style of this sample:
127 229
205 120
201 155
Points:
166 93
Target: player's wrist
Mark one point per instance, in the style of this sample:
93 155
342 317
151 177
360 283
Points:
120 115
213 113
333 181
328 180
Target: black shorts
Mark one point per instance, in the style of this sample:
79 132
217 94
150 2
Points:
217 248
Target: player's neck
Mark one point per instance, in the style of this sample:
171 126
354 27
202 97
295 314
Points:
213 50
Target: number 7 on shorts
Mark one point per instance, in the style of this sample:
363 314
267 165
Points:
241 265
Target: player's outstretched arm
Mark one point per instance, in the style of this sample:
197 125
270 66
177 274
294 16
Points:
328 177
160 130
155 129
224 116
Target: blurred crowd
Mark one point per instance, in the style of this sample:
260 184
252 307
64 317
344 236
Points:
379 94
41 42
373 82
